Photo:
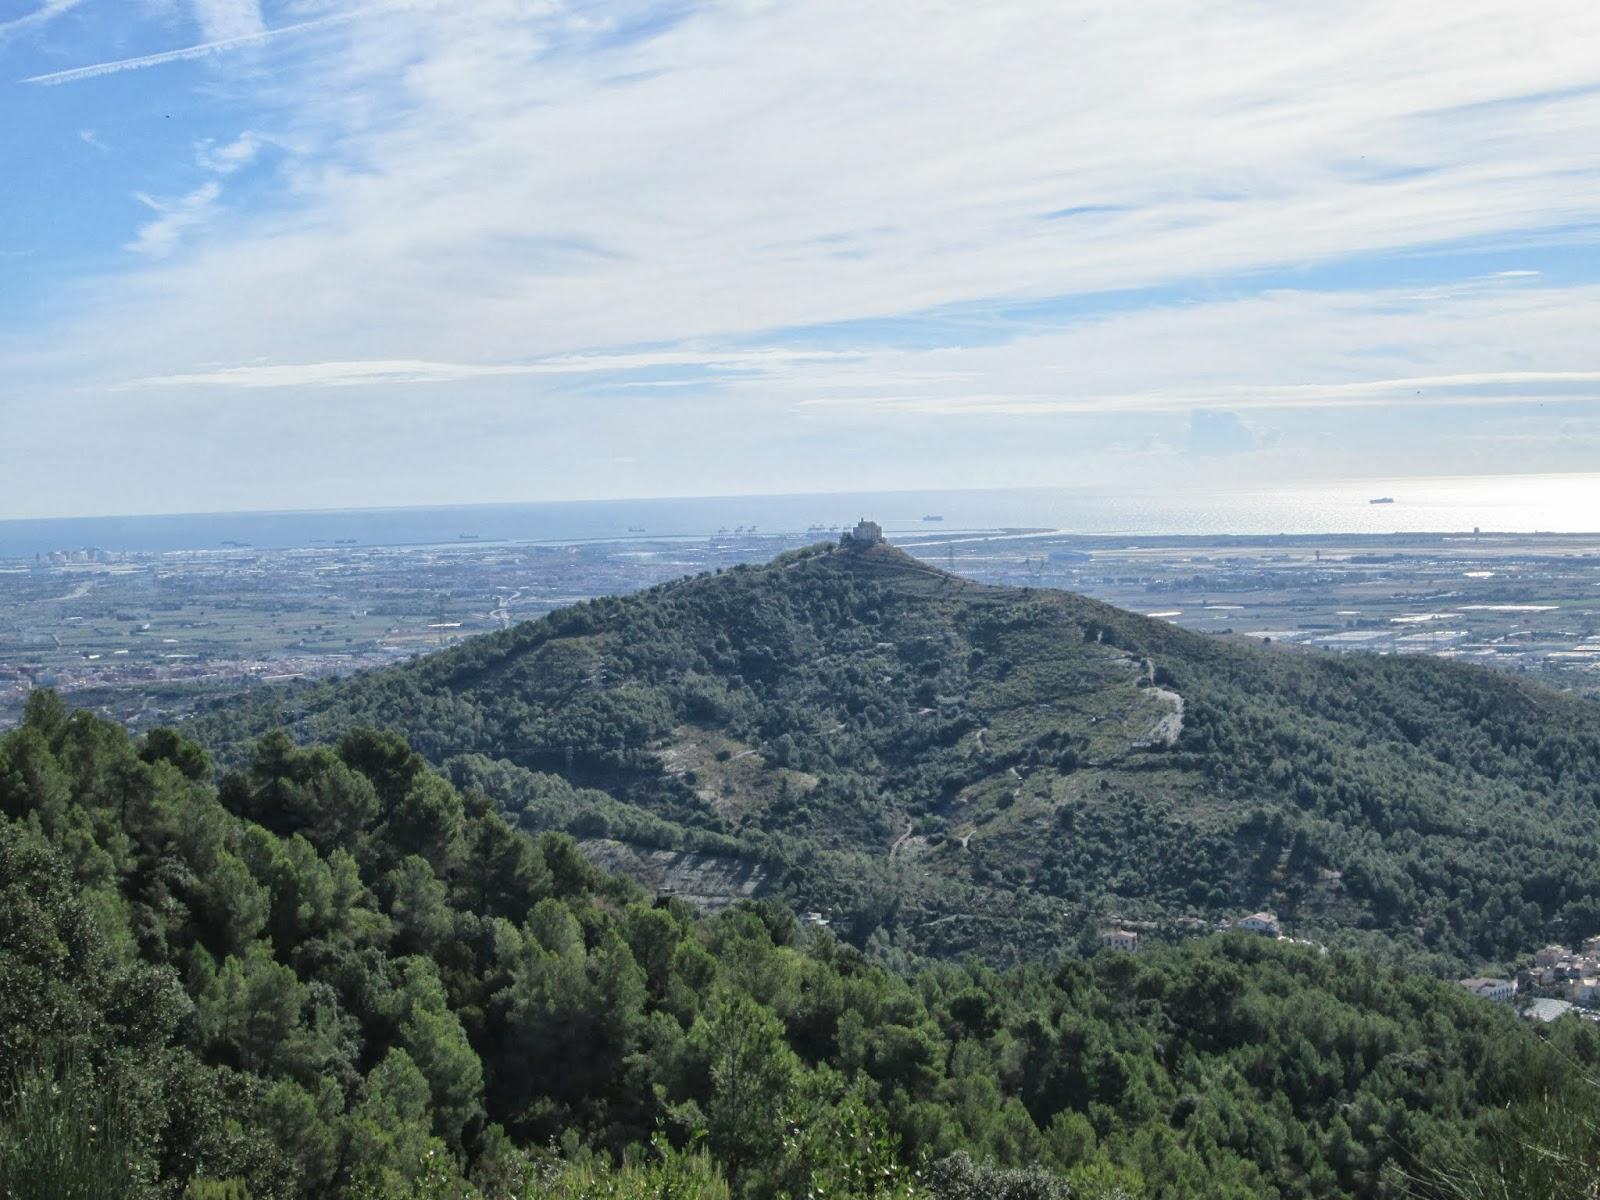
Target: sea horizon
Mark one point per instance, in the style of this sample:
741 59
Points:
1565 503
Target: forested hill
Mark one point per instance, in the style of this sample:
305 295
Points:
948 767
337 976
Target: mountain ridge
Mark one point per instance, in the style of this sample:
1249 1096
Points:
959 767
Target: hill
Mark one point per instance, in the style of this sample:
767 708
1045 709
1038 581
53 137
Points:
337 976
946 767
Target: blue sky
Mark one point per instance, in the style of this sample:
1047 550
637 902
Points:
296 253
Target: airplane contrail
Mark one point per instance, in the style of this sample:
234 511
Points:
49 10
55 78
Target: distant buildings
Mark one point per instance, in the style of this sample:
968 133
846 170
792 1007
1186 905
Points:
1558 968
1584 990
1549 956
89 554
1119 939
1563 978
1502 991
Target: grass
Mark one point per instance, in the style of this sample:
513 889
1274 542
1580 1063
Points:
63 1136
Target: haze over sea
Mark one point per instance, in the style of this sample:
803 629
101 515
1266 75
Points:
1455 504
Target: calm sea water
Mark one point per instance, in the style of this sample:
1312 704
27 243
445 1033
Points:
1510 504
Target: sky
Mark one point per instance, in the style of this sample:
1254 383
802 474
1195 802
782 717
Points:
268 254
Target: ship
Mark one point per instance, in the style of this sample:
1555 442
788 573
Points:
933 517
1382 500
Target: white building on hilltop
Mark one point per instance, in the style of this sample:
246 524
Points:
1261 922
1119 939
866 533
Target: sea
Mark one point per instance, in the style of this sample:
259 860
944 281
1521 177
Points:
1568 503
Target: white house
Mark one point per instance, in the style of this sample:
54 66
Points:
1119 939
1503 991
1261 922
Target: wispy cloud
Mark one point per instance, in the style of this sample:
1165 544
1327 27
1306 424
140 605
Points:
203 50
227 20
160 237
1418 385
406 371
835 188
1289 397
1285 351
230 156
1032 209
48 11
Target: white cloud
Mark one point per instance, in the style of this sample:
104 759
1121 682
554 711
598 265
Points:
47 11
1380 351
407 371
1278 351
160 237
222 20
230 157
1219 433
756 168
474 191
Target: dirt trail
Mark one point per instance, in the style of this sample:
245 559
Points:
1170 727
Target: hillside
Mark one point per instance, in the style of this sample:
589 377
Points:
947 767
336 976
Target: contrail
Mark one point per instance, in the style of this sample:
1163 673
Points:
55 78
50 9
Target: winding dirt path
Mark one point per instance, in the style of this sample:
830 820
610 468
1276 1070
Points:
894 846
